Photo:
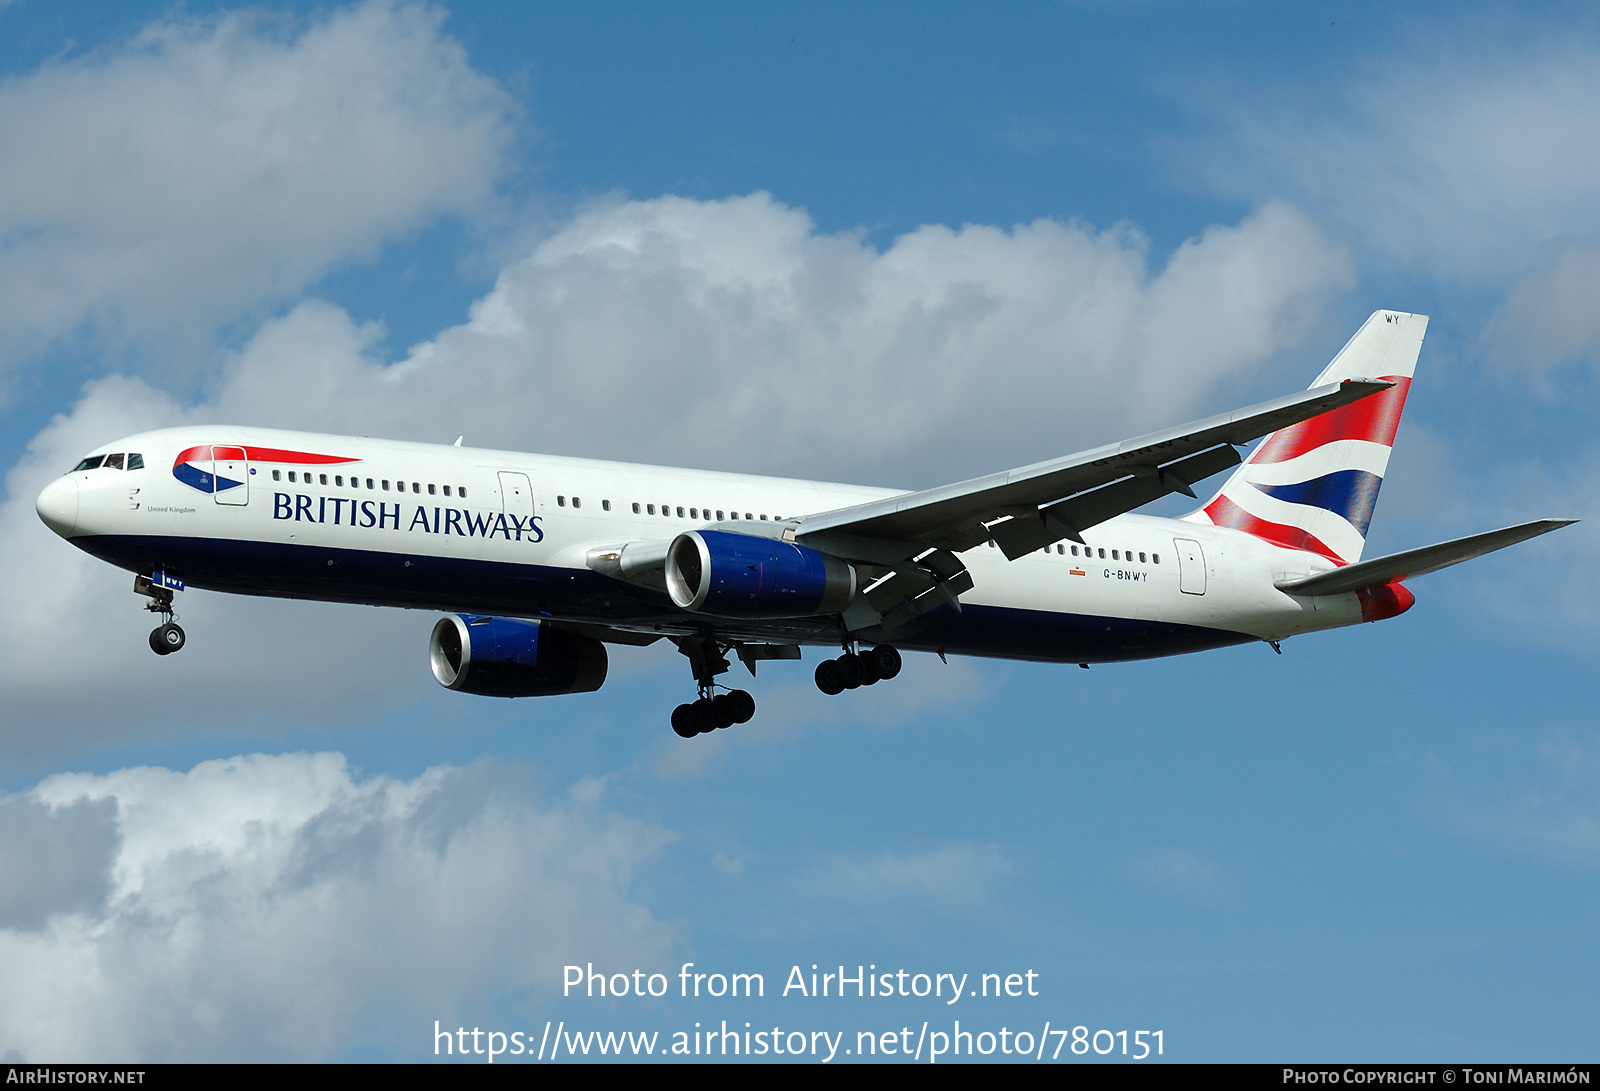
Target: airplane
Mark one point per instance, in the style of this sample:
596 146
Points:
540 561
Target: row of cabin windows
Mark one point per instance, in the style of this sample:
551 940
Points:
694 513
1089 552
355 483
577 502
118 461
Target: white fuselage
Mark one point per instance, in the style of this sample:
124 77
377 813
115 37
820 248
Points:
370 521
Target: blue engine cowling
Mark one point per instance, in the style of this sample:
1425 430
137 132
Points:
508 657
740 575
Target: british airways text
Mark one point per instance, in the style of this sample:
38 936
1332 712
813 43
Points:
345 511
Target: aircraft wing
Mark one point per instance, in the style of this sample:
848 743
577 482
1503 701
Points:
1032 506
1366 575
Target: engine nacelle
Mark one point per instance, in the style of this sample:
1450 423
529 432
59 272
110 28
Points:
508 657
740 575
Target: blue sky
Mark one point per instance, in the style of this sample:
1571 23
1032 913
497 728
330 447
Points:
897 246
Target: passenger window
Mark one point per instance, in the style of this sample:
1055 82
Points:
605 505
431 489
576 502
1155 558
446 488
561 501
291 475
277 475
338 479
719 514
1114 556
1074 551
991 543
135 462
636 507
1102 554
1141 558
733 515
386 484
461 491
1060 548
747 515
114 462
680 513
322 479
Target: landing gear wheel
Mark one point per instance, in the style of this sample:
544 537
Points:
869 670
683 722
741 705
851 671
885 661
722 711
703 715
166 639
829 680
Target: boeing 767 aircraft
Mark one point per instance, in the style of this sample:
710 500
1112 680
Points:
540 561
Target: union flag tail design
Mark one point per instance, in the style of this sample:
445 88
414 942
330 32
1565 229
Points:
1312 486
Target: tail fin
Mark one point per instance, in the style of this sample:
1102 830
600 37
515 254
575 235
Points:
1313 486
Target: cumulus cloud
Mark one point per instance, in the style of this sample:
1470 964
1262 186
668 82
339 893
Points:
172 181
731 334
1462 150
271 906
725 334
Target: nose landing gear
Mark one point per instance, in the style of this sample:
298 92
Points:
168 637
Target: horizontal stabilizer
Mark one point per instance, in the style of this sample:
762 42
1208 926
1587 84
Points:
1416 562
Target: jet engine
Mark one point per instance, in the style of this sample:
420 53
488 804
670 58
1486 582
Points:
740 575
509 657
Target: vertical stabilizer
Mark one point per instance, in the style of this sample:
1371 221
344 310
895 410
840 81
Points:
1313 486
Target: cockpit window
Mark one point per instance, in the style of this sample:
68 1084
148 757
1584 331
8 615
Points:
135 462
114 462
90 463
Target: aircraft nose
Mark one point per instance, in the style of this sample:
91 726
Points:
58 505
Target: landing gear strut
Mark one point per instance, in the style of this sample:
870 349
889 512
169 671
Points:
854 669
167 637
713 710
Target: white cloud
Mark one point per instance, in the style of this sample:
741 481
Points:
729 333
1462 150
1550 317
272 906
1180 871
1543 800
952 878
167 183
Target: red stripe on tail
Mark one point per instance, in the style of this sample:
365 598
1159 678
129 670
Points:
1374 419
1225 513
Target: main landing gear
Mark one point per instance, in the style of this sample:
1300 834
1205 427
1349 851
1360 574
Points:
713 710
854 669
167 637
